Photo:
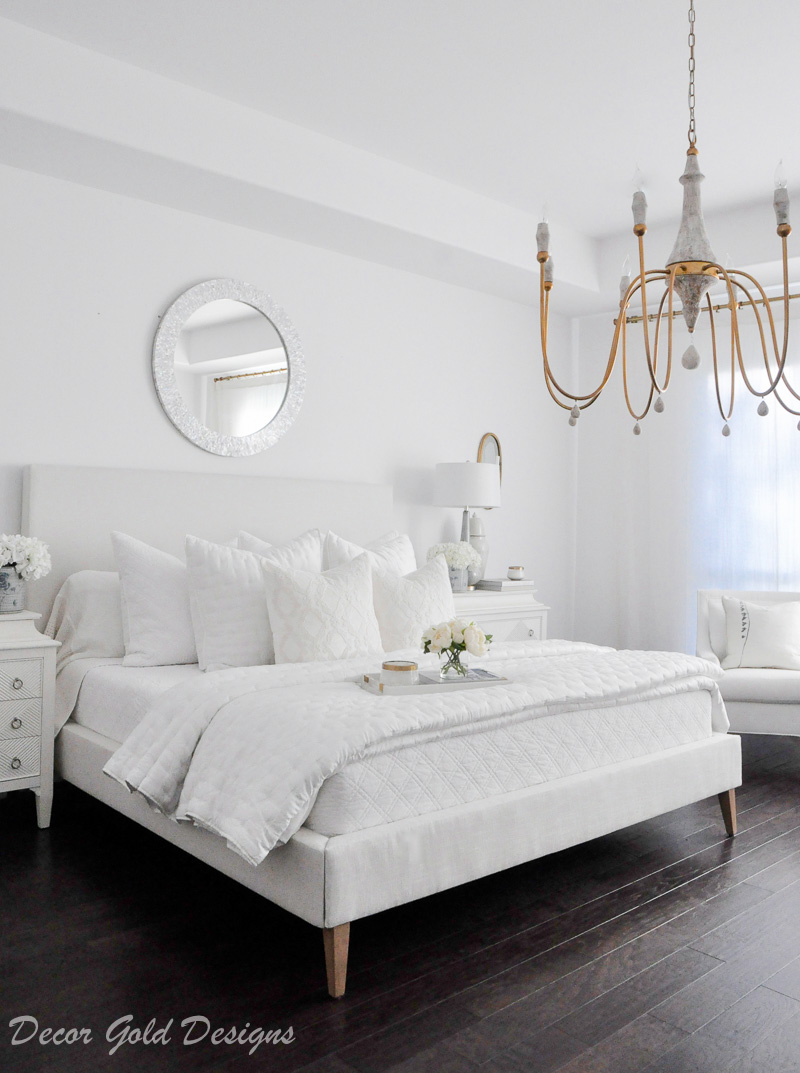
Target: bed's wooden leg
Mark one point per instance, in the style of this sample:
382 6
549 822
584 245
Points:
727 802
337 942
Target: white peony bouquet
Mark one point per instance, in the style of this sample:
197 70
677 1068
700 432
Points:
450 639
27 555
458 554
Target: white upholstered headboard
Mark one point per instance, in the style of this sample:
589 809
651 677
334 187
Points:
74 508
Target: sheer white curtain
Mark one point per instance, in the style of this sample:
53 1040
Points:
242 406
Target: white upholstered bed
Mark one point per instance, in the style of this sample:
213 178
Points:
401 822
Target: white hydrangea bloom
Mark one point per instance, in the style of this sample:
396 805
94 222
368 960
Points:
29 557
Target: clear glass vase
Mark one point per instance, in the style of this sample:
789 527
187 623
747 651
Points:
452 666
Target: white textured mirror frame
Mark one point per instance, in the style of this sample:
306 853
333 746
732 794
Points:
169 393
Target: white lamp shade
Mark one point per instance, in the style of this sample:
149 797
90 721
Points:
467 484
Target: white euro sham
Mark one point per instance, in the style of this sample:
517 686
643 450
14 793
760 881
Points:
393 552
156 619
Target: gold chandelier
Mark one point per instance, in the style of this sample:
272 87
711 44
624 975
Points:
692 269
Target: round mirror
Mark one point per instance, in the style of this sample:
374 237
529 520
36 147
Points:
228 367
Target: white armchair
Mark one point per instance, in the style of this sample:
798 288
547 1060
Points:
758 700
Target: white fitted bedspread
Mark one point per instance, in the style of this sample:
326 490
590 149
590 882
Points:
244 753
473 765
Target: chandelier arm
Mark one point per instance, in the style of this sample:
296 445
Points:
653 369
725 417
631 411
768 306
667 295
766 303
544 314
786 405
764 348
734 306
643 287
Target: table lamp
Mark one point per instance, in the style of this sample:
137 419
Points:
467 484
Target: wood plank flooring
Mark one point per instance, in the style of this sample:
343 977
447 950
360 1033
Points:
665 947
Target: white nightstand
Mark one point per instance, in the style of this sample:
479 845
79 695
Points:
27 694
508 616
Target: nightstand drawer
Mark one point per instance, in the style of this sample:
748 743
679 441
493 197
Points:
20 678
20 718
19 759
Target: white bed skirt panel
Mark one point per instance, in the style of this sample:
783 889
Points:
330 881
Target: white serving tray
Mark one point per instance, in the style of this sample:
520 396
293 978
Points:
373 684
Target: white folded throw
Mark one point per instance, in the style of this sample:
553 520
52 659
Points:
244 752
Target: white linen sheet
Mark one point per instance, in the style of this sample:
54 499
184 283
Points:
113 699
244 752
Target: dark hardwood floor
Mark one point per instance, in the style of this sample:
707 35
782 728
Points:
664 947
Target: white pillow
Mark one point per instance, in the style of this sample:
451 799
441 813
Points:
393 552
228 600
762 636
156 621
405 606
322 616
306 549
87 617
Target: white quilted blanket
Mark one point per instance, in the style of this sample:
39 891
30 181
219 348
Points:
244 752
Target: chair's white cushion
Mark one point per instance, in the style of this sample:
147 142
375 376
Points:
405 606
306 549
761 685
322 616
759 636
156 620
229 609
393 552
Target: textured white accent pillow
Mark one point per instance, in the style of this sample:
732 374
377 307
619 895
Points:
393 552
761 636
156 620
322 616
306 549
405 606
228 600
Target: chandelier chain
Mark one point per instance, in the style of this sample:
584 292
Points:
692 126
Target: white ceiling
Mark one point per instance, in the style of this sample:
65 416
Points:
524 101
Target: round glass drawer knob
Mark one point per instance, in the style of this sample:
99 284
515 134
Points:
16 724
17 683
16 762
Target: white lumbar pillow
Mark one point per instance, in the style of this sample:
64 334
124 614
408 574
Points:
322 616
156 620
229 610
761 636
393 552
406 606
306 549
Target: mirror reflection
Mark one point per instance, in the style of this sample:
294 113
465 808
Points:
231 367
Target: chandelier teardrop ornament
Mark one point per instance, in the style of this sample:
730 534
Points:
691 272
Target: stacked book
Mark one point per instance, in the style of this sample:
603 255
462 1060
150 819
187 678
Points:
504 584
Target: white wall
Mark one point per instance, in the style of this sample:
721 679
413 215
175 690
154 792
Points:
403 371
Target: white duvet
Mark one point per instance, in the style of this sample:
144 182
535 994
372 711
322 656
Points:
244 752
